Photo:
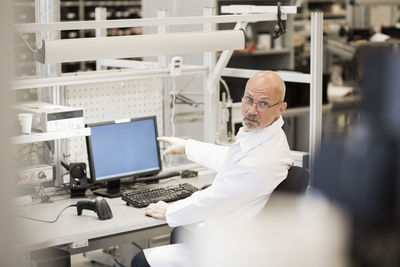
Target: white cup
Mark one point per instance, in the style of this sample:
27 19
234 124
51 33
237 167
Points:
264 41
25 119
278 43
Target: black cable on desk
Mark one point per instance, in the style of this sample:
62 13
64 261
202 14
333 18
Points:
53 221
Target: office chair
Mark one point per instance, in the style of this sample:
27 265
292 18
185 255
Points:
296 181
295 184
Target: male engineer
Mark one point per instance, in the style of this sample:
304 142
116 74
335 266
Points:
247 172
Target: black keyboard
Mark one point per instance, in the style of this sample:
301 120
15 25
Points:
142 198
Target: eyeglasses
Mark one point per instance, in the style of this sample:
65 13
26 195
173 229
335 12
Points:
261 105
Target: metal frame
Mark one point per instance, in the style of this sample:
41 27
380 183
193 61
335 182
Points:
316 61
162 21
287 76
213 71
50 136
210 97
127 63
100 14
50 13
162 62
314 79
101 76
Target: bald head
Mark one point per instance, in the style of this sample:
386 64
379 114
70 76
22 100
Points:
262 103
270 81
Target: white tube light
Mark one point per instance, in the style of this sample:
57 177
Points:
84 49
127 23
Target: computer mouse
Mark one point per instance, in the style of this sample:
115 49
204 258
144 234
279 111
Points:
100 206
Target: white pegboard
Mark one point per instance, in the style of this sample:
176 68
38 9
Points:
110 101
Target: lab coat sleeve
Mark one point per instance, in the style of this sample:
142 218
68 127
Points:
235 189
209 155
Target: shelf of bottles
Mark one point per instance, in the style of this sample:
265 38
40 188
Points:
85 10
24 12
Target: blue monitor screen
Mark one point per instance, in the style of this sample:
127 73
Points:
123 149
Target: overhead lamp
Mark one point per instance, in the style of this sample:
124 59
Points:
85 49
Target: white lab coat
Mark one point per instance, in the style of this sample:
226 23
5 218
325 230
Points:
247 173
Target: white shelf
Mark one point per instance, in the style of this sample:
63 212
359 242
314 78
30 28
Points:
40 137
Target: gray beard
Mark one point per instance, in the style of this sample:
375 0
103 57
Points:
247 129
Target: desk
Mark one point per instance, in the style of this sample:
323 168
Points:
128 224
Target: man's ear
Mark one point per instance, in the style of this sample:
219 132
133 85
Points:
282 107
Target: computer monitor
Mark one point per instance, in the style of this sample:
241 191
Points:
122 149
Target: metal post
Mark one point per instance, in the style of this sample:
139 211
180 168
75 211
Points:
211 94
81 12
350 14
162 29
49 11
394 14
100 14
316 86
162 62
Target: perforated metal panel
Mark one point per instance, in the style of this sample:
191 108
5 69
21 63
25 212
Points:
110 101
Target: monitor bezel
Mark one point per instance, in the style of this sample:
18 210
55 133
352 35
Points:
127 175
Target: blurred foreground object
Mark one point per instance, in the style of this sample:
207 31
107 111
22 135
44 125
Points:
290 231
362 172
7 189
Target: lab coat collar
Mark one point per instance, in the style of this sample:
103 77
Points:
249 140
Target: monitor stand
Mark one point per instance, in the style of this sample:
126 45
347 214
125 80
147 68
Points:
112 190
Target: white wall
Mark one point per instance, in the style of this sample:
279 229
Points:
382 15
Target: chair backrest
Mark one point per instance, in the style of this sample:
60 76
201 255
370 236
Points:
296 181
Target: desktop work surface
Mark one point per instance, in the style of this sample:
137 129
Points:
77 234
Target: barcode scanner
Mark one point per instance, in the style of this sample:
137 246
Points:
100 206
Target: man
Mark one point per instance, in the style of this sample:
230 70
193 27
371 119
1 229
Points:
247 172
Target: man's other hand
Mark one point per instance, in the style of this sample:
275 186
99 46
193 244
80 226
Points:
175 145
157 210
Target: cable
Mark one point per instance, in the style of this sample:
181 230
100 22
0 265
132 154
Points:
173 107
172 116
53 221
226 87
186 84
59 190
136 245
43 195
54 194
113 252
26 42
118 262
